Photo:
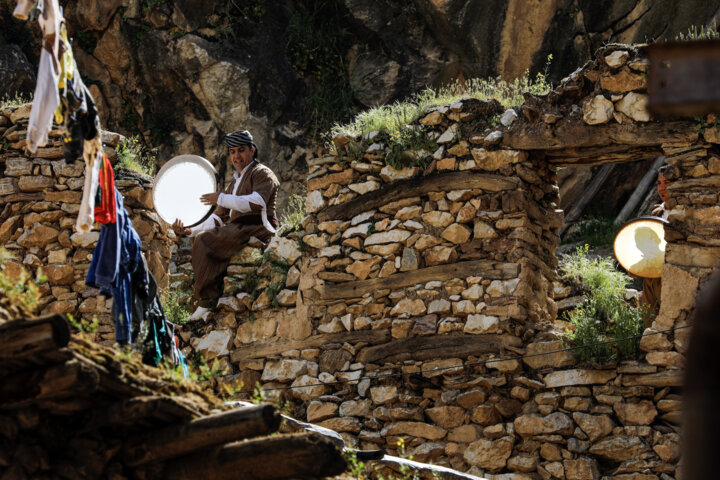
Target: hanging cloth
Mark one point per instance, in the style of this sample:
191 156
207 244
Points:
105 206
46 99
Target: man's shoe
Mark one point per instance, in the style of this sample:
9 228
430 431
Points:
200 313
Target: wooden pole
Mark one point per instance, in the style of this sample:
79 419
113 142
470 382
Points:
639 192
303 455
201 433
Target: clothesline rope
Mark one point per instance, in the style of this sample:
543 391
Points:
468 364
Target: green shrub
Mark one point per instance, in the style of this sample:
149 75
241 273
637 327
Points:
606 316
133 156
176 307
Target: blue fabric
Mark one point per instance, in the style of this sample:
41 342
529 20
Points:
116 257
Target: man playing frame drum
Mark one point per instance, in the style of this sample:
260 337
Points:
246 209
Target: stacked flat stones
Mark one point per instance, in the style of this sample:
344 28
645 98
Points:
39 201
380 288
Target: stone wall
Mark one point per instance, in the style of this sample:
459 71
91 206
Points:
406 286
39 201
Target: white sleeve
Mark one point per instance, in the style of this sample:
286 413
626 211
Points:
211 222
240 203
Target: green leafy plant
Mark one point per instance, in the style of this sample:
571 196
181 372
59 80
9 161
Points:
606 315
84 325
356 468
258 396
291 220
132 155
410 147
20 291
176 307
201 371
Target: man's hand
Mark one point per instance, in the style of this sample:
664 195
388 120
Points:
179 228
210 198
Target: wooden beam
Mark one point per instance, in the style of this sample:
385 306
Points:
275 347
573 157
639 192
569 133
415 187
304 455
28 337
245 422
435 346
484 268
67 380
138 410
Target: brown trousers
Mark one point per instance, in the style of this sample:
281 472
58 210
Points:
211 255
651 297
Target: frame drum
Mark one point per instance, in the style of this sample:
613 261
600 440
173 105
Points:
639 246
178 187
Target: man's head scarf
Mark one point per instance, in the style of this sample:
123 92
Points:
239 138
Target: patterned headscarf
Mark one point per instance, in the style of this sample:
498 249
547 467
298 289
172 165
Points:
241 137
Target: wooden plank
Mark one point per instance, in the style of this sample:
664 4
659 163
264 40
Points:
406 279
172 442
275 347
303 455
434 346
571 134
415 187
579 156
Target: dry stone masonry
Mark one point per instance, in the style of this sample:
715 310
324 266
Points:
396 311
39 201
405 284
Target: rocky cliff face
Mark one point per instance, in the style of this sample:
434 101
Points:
184 72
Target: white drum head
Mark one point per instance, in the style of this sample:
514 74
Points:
178 187
639 246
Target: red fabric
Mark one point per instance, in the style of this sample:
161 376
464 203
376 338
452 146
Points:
106 210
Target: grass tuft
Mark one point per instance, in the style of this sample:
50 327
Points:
395 117
13 101
694 33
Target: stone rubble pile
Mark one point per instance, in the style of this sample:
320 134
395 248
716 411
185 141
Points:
39 201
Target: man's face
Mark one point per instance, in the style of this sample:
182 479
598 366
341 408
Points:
241 156
662 187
